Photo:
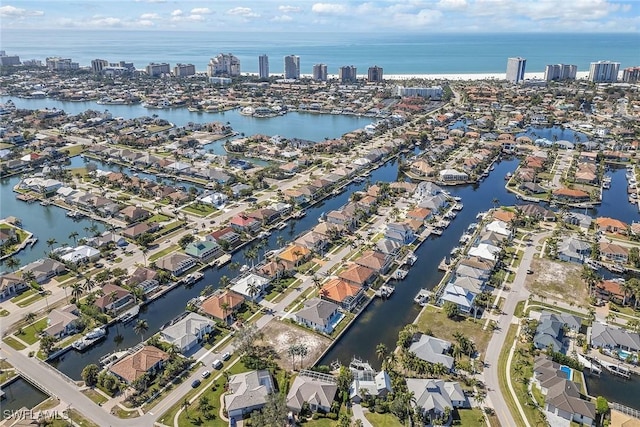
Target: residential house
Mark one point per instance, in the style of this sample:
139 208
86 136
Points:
343 293
550 333
432 350
78 255
45 269
343 219
358 275
222 305
225 237
62 321
247 392
203 250
113 299
187 332
571 195
148 359
485 251
319 314
138 230
572 249
265 215
134 214
610 290
461 297
610 338
400 232
614 253
452 175
389 247
250 285
11 284
314 388
140 274
420 214
376 261
313 241
106 239
293 255
432 396
366 381
244 224
176 263
611 225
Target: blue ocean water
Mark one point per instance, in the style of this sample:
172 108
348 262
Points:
396 53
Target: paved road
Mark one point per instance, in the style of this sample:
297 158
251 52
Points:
517 293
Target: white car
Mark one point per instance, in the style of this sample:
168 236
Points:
206 374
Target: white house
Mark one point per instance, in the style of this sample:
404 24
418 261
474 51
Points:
188 331
247 392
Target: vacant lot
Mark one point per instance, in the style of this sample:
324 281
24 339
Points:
557 280
282 335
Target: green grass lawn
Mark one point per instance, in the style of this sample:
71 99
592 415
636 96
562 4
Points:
26 294
435 320
14 343
74 150
320 422
382 420
163 252
194 415
31 332
28 301
158 218
201 210
3 313
94 395
469 417
170 227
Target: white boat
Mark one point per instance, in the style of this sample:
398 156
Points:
410 259
458 206
282 225
401 274
96 333
264 234
244 268
422 298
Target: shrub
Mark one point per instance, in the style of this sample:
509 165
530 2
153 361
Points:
332 416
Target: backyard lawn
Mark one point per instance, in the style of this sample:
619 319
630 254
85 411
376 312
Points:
434 319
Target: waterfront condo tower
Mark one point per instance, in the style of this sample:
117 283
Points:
631 75
515 69
263 66
604 72
291 67
560 72
320 72
224 64
158 69
374 74
184 70
347 74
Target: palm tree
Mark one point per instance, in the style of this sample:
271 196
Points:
12 263
225 307
140 328
495 202
89 284
74 236
381 351
50 242
118 339
280 241
76 291
251 254
253 290
29 277
224 281
29 318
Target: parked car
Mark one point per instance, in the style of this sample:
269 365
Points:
226 356
217 364
206 374
195 383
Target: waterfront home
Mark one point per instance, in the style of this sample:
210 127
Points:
203 250
614 253
272 269
242 223
147 286
114 298
176 263
611 225
376 261
603 336
78 255
328 230
132 214
572 249
465 270
432 396
562 396
296 196
45 269
215 199
62 321
138 230
485 251
319 314
571 195
575 218
434 203
366 381
400 232
463 298
225 237
107 238
421 167
358 275
293 255
214 175
247 392
11 284
313 241
222 305
250 285
536 212
419 214
342 219
141 274
314 388
388 247
432 350
187 332
44 186
343 293
500 227
264 215
147 360
452 175
610 290
550 334
531 187
7 235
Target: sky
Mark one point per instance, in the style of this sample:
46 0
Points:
493 16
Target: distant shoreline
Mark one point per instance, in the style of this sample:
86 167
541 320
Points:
447 76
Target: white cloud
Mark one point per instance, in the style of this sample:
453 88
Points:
107 21
177 12
200 11
148 16
245 12
188 18
289 9
16 12
151 1
282 18
423 19
145 23
329 8
452 4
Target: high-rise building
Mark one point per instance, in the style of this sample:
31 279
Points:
291 67
97 65
263 66
604 72
224 64
560 72
320 72
158 69
374 74
8 60
631 75
184 70
61 64
515 69
347 74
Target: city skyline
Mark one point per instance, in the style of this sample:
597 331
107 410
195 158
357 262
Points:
481 16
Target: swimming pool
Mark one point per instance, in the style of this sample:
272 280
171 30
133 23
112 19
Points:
567 371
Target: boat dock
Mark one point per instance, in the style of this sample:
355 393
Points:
400 274
422 298
129 315
616 369
224 259
589 364
385 291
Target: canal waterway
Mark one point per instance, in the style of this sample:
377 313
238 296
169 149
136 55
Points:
308 126
20 394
